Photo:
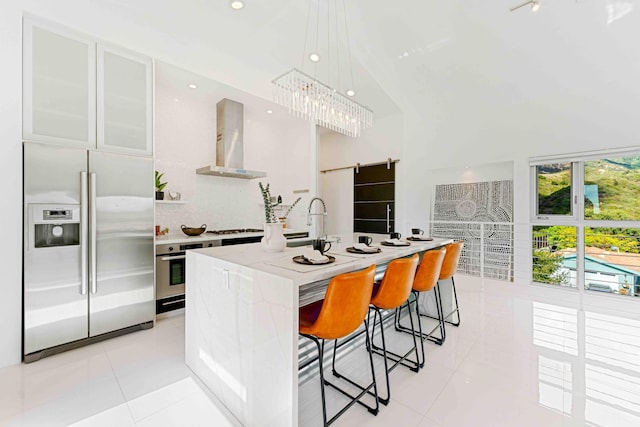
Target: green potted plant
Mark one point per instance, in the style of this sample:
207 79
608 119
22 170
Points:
160 186
273 240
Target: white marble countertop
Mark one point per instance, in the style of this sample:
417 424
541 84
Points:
282 265
176 238
241 320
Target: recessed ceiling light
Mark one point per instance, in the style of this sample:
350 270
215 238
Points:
535 5
193 86
314 57
237 4
351 92
269 111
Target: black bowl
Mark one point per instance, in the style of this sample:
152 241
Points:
193 231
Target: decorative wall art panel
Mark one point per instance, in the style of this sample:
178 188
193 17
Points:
480 214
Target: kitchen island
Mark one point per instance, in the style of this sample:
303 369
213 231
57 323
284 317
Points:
241 335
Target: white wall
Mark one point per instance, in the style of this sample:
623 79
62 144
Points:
377 144
185 138
563 101
11 177
494 171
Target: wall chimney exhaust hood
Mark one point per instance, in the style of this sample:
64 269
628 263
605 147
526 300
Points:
229 143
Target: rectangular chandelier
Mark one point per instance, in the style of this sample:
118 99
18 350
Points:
310 99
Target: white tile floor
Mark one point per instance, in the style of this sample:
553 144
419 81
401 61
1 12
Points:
520 358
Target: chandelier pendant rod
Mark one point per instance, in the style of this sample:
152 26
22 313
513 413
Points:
311 99
346 29
306 34
335 11
315 66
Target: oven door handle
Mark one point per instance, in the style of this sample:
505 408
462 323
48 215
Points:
171 258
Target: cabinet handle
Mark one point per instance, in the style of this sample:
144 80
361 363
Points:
388 217
171 258
177 301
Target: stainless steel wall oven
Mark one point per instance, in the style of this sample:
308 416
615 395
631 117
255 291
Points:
171 269
171 274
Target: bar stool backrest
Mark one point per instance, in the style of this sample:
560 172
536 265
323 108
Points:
451 259
396 284
429 270
345 305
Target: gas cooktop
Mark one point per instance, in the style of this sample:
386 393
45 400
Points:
236 231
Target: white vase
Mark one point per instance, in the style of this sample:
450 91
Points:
273 240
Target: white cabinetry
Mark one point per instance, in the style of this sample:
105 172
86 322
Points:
124 101
59 92
80 92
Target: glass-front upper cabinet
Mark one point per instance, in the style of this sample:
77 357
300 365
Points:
79 92
59 89
124 101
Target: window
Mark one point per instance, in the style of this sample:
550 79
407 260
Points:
554 189
554 255
611 189
586 223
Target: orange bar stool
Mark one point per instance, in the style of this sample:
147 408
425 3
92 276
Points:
390 294
343 309
426 279
449 267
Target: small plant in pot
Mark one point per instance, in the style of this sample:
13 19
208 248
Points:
160 186
269 206
273 240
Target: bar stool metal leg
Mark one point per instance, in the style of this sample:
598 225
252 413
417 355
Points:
364 389
449 267
457 309
396 358
341 312
320 358
427 336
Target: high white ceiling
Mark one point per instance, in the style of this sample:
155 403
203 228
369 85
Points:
428 56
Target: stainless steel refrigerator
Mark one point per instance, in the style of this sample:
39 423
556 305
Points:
88 247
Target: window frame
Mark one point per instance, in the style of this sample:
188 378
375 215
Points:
577 218
535 216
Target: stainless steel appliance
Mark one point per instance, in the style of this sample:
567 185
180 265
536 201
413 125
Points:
88 247
171 267
229 143
171 272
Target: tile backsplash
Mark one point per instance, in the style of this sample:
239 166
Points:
185 139
220 203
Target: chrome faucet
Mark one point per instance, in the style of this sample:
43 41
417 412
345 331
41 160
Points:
324 214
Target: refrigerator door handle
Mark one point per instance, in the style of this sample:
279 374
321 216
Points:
84 233
92 217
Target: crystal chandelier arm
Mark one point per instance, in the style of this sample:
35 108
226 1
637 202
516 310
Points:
306 97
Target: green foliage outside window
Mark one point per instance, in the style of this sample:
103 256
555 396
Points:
546 267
